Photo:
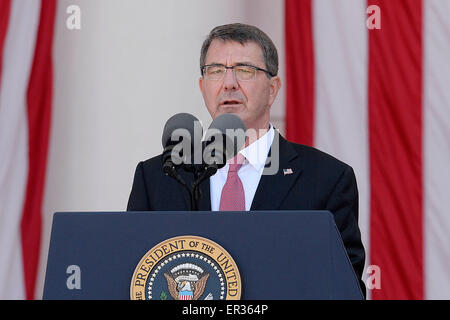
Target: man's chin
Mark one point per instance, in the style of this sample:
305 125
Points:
236 109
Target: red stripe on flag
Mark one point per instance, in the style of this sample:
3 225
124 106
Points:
395 135
300 71
39 101
5 8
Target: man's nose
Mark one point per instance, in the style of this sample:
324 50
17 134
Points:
230 81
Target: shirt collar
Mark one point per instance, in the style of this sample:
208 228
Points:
256 153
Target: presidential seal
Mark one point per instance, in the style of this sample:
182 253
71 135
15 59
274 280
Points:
186 268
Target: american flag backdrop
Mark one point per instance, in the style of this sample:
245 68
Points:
26 36
379 99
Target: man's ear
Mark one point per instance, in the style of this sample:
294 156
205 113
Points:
200 84
274 87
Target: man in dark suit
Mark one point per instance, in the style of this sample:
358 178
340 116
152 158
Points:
239 66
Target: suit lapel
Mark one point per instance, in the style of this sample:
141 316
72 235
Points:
275 184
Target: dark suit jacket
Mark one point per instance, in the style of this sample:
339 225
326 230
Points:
318 182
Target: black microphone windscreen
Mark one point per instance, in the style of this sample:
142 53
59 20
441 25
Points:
181 121
224 138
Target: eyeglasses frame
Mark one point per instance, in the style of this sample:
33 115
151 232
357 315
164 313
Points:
202 69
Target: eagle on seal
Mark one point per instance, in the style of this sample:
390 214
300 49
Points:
186 285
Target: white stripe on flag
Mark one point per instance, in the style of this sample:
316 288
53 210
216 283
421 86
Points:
437 148
340 44
17 60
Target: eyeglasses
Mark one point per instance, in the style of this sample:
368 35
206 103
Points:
243 72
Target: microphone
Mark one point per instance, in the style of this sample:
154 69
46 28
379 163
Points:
181 134
223 140
181 141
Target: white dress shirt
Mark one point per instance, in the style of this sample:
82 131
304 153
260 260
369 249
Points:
250 173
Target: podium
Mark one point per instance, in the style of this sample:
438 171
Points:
284 255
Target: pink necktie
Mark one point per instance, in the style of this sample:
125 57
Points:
233 196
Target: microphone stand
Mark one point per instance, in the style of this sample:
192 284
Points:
201 174
170 170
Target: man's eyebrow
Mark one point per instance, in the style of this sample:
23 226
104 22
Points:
214 64
244 63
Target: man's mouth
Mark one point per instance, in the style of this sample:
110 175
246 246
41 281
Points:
230 103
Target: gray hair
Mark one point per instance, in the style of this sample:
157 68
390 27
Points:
244 33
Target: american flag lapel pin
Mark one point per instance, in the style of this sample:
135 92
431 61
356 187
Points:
287 171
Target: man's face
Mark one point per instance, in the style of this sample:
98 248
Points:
250 100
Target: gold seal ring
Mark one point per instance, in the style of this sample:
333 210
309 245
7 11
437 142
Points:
186 268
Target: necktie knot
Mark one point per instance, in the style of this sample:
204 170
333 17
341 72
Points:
236 163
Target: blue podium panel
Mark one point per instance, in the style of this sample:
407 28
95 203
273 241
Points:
280 255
